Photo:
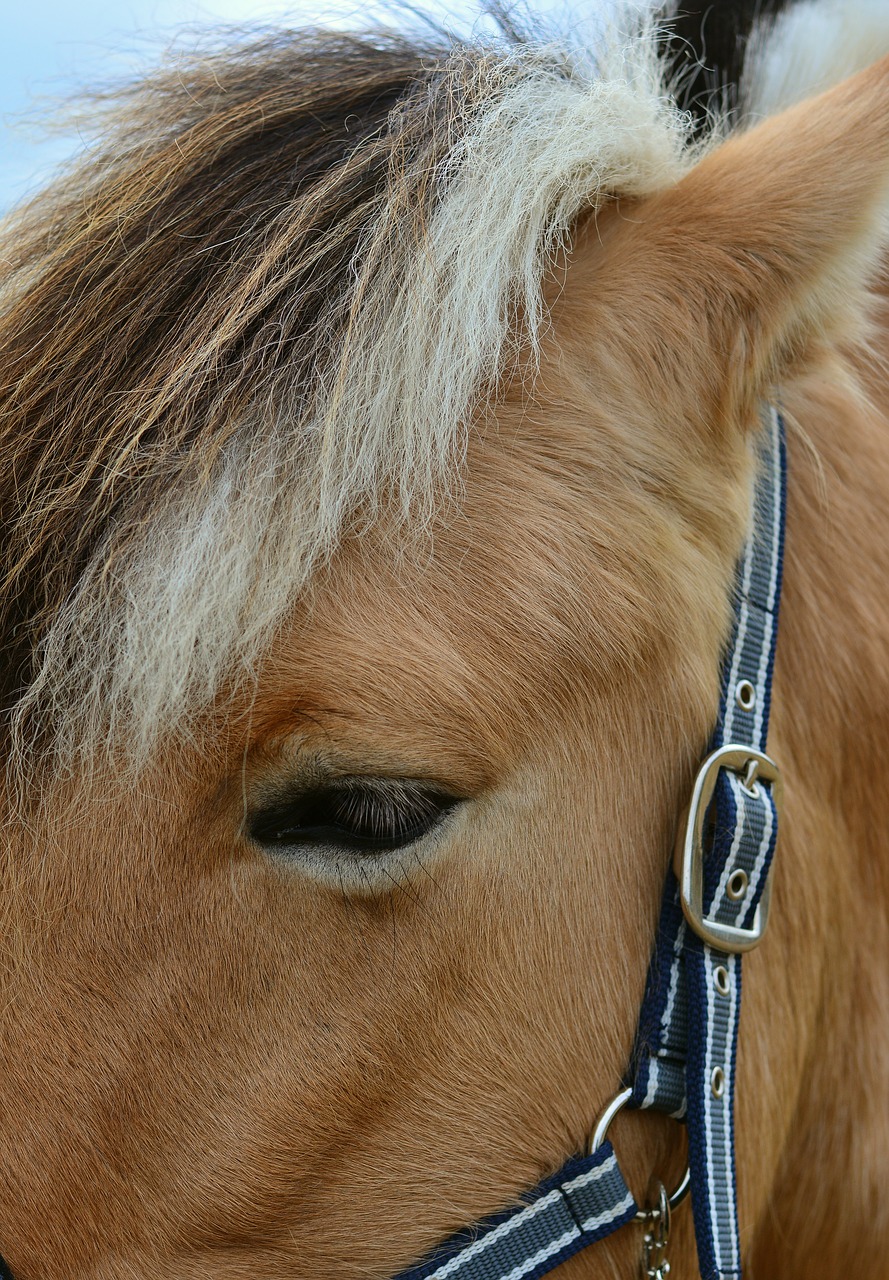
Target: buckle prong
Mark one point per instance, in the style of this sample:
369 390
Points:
751 774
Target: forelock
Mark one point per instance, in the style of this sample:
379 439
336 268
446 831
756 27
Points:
293 277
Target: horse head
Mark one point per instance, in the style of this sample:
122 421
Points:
379 420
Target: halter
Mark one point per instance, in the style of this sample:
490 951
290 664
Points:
715 908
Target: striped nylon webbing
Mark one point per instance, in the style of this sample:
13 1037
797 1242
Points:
688 1029
584 1202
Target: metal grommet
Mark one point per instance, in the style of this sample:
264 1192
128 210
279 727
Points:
721 980
737 885
717 1082
600 1132
745 695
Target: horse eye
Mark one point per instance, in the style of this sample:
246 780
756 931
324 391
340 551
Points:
361 815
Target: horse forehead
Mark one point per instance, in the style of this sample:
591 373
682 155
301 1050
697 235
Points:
521 601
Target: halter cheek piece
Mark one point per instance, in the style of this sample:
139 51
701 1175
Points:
715 907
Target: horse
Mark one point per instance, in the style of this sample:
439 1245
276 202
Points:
379 420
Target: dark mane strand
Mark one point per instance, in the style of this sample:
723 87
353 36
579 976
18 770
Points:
706 44
172 283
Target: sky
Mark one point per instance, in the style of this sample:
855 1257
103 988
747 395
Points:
49 47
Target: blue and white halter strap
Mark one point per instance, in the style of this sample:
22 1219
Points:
715 907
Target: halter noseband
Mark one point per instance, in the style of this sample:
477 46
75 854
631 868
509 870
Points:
715 907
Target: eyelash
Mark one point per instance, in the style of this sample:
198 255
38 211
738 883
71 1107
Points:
362 816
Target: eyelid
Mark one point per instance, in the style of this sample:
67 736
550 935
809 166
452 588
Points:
353 814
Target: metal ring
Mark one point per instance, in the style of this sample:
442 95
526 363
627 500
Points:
599 1135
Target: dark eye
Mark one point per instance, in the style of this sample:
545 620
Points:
362 815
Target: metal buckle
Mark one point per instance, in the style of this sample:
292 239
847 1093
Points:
688 859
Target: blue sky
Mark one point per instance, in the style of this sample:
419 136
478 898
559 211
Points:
48 47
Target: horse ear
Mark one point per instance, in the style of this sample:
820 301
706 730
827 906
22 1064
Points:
721 282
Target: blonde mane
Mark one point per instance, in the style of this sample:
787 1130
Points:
188 461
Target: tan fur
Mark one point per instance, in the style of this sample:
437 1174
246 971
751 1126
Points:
214 1064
